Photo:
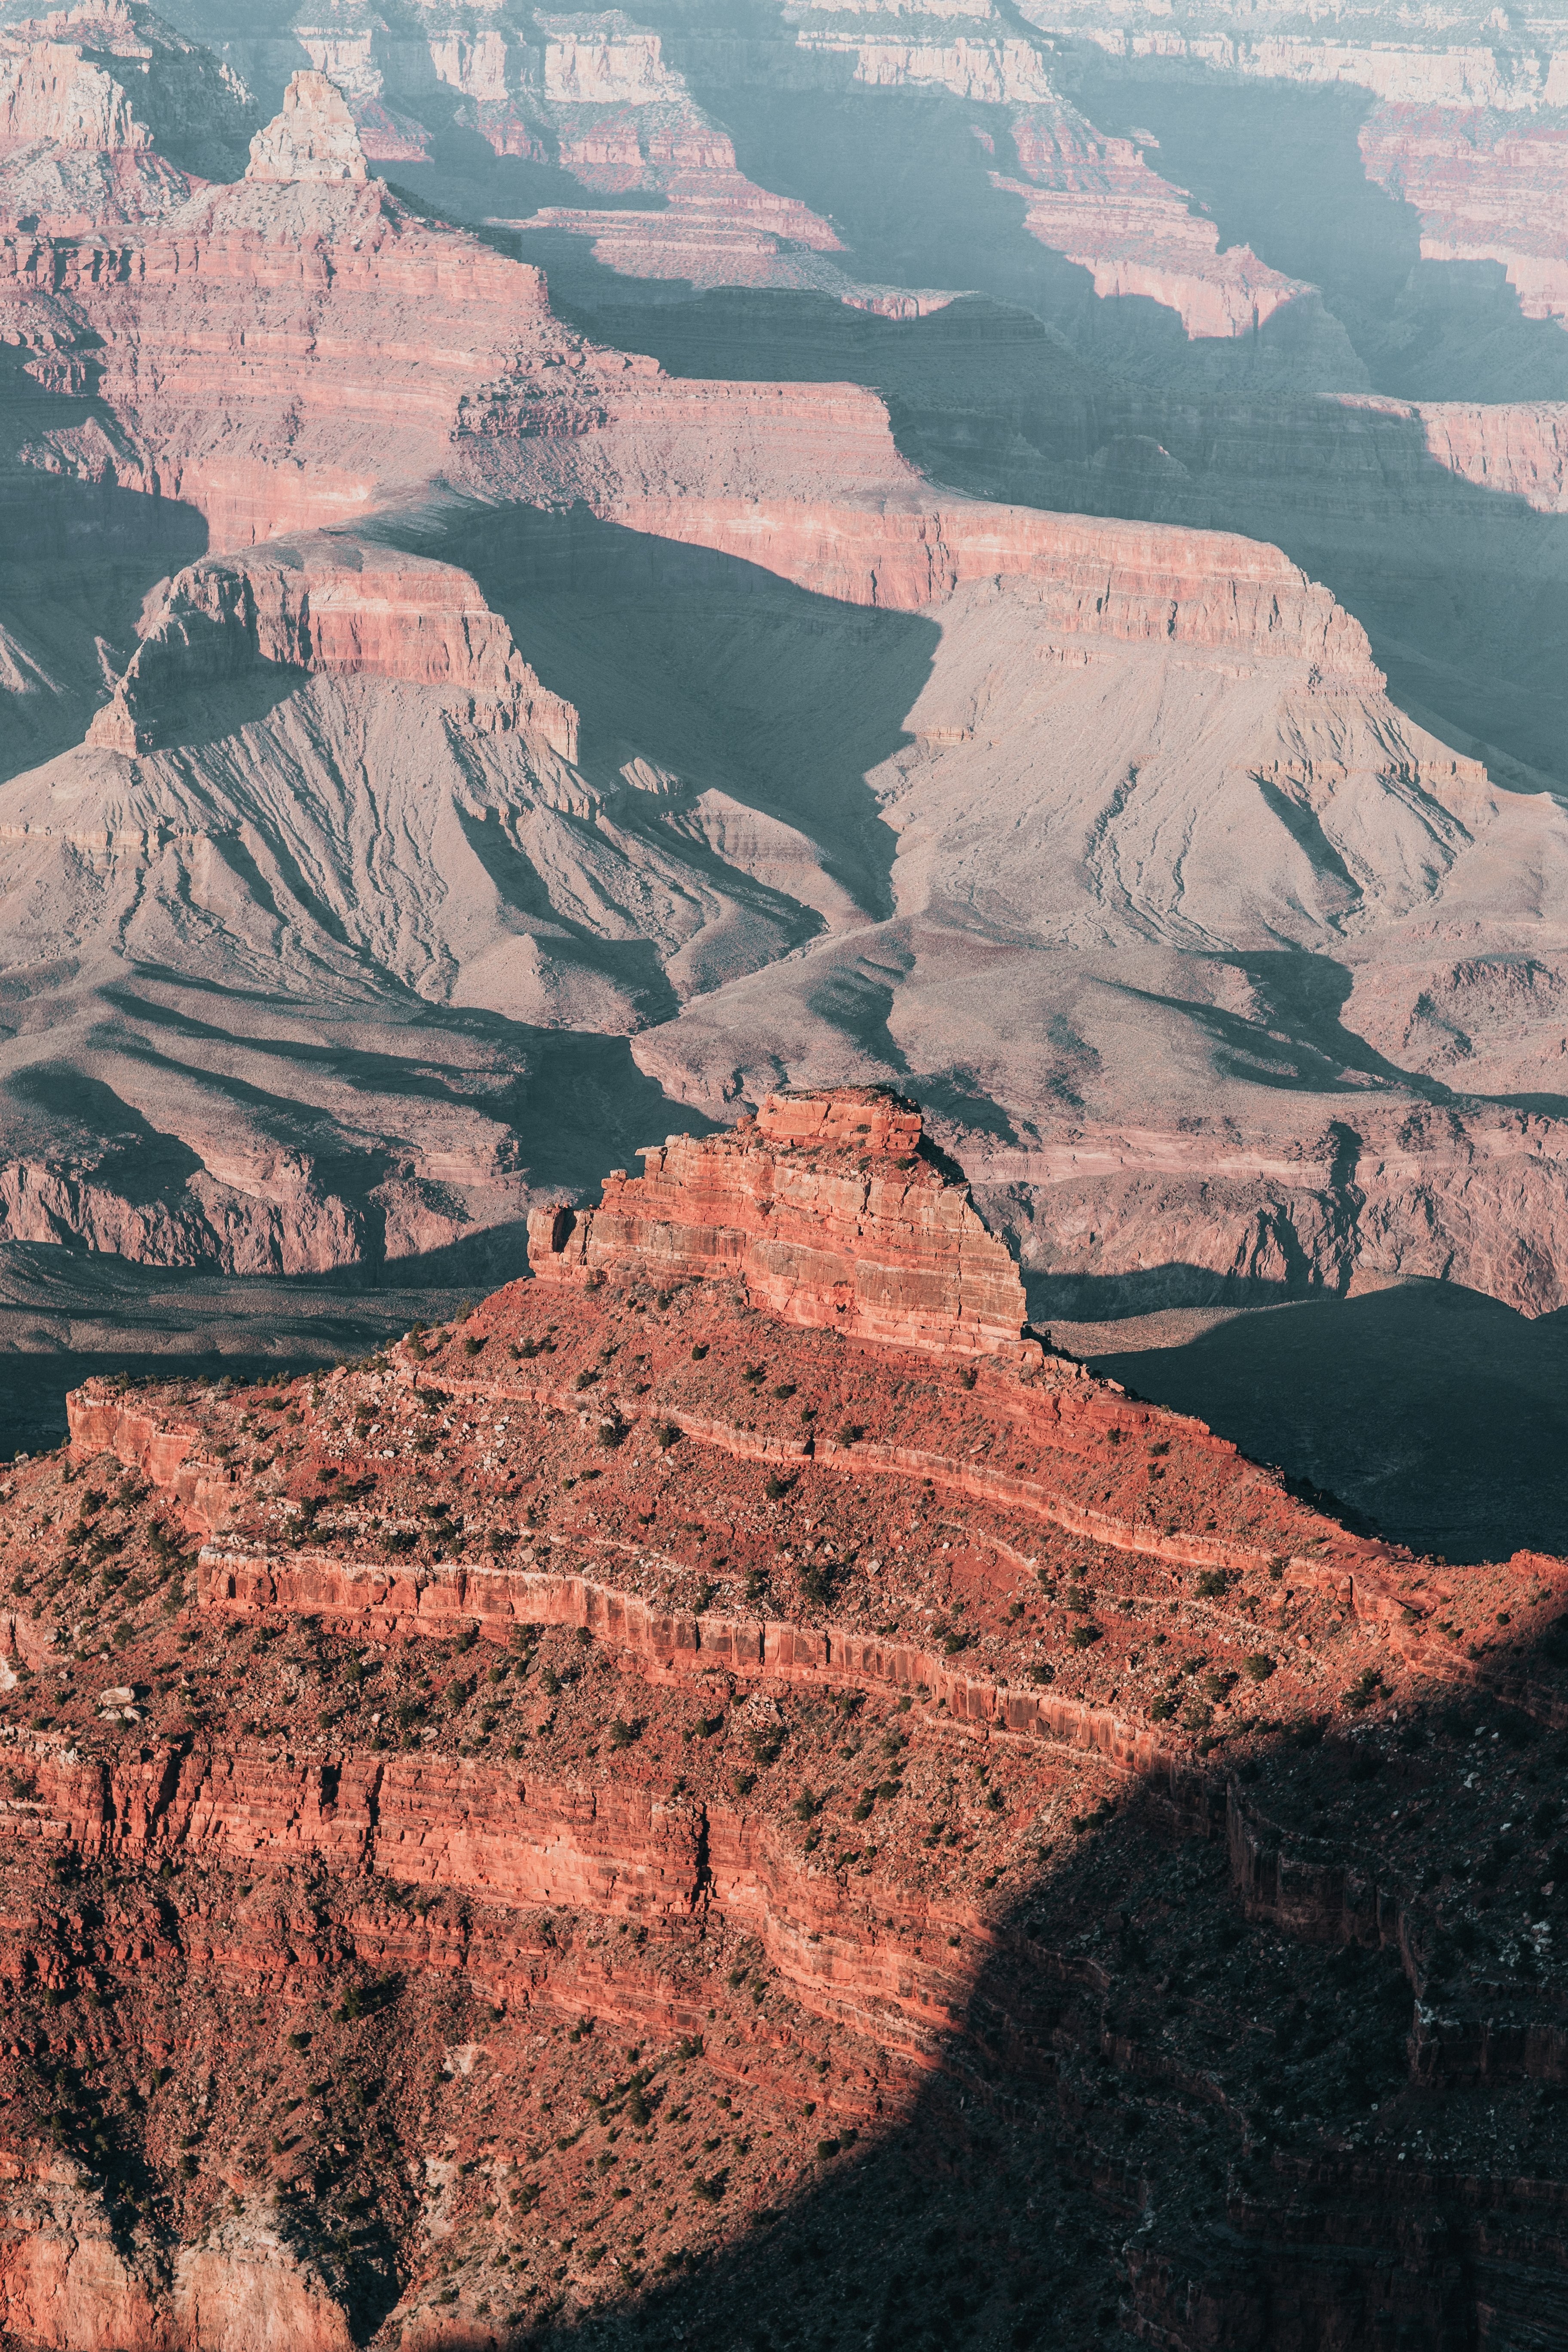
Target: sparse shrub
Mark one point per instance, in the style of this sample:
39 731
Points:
1257 1666
1367 1687
850 1433
1210 1583
1084 1637
815 1581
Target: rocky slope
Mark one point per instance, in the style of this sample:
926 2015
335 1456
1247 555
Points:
630 1815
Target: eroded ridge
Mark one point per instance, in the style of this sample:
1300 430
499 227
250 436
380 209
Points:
629 1740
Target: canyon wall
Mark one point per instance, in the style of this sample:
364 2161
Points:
337 607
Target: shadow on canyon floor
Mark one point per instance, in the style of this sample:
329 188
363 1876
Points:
1463 590
1280 168
710 669
1437 1414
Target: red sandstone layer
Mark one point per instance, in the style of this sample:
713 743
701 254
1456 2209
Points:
1133 581
624 1662
825 1210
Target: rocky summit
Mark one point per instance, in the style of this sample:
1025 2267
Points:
670 1808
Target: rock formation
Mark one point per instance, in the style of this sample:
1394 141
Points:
627 1790
1114 705
312 139
339 608
1489 188
827 1211
107 77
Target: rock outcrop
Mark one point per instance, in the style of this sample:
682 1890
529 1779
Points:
109 77
1488 187
1096 201
827 1210
313 139
337 607
576 1734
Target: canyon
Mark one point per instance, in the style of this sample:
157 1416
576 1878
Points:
882 1831
957 610
394 708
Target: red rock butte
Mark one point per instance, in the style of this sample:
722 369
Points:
826 1208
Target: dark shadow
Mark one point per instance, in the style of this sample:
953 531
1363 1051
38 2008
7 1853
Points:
77 556
1188 2098
1038 392
1278 167
720 672
1302 1049
575 1099
1149 1290
121 1146
467 183
1438 1413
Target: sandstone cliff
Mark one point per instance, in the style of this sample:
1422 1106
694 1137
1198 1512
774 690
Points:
828 1213
339 607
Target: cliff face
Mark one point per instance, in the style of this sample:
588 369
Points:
313 139
108 76
580 1759
1133 583
1098 202
824 1209
1488 187
339 608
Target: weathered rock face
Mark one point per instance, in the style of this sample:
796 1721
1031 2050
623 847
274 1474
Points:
1488 187
109 77
1096 201
312 139
337 607
476 1828
825 1208
1127 582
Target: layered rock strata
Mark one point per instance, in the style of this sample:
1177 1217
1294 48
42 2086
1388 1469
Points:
1488 187
339 608
447 1863
825 1208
